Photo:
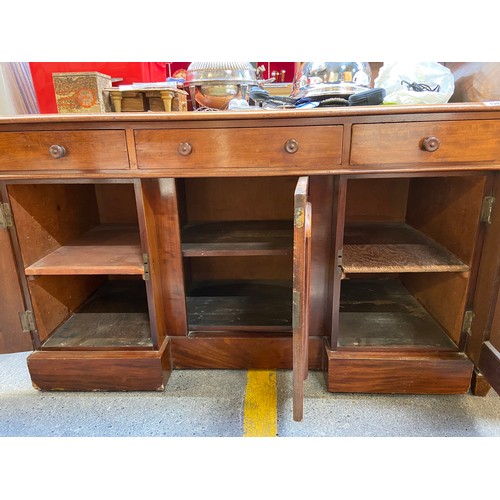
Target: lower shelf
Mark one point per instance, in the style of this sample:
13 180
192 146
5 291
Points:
240 305
382 313
115 316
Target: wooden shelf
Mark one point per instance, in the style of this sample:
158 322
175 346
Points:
394 248
245 305
232 238
106 249
115 316
382 313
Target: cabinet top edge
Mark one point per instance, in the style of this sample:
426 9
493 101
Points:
249 115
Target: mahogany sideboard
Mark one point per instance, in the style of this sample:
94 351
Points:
363 242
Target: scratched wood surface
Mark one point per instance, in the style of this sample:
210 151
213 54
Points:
379 248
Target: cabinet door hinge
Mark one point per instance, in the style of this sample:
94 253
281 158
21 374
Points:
340 263
27 321
145 260
467 323
5 216
487 209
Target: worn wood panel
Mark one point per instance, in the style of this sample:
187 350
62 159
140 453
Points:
487 292
495 326
376 200
258 267
55 298
319 147
256 352
240 305
12 338
116 203
379 248
108 249
225 238
301 292
162 231
50 215
397 374
382 313
444 296
246 198
323 197
396 144
448 209
489 364
85 150
116 316
100 371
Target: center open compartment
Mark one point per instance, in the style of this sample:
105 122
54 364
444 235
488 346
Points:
237 247
407 257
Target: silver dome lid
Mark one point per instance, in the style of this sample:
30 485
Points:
331 78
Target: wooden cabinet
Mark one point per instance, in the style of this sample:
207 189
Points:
338 240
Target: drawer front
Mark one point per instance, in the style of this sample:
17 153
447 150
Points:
71 150
425 143
316 147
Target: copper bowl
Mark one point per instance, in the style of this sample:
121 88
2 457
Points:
214 84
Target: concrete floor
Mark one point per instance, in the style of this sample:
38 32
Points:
159 455
209 403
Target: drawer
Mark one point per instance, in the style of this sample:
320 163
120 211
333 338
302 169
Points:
425 143
82 150
316 147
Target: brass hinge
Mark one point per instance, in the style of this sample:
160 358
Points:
487 209
145 260
27 321
5 216
467 323
340 262
299 218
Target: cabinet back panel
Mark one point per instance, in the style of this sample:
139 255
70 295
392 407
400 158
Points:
254 198
116 203
447 209
443 295
55 298
269 267
376 200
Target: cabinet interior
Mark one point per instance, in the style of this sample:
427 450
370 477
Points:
408 249
237 247
81 251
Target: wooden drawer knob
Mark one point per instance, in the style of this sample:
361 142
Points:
431 144
291 146
57 151
184 149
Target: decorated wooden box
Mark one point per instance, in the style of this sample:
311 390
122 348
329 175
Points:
81 92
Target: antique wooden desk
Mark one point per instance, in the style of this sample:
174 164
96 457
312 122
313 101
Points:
363 242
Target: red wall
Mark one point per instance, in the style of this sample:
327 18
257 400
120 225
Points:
130 72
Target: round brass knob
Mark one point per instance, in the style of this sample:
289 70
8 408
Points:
431 144
184 148
57 151
291 146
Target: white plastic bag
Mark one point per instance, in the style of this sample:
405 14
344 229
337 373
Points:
399 80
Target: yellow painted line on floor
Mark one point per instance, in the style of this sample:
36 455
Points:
261 410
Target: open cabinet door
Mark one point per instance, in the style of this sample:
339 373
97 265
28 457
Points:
483 346
12 336
301 285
